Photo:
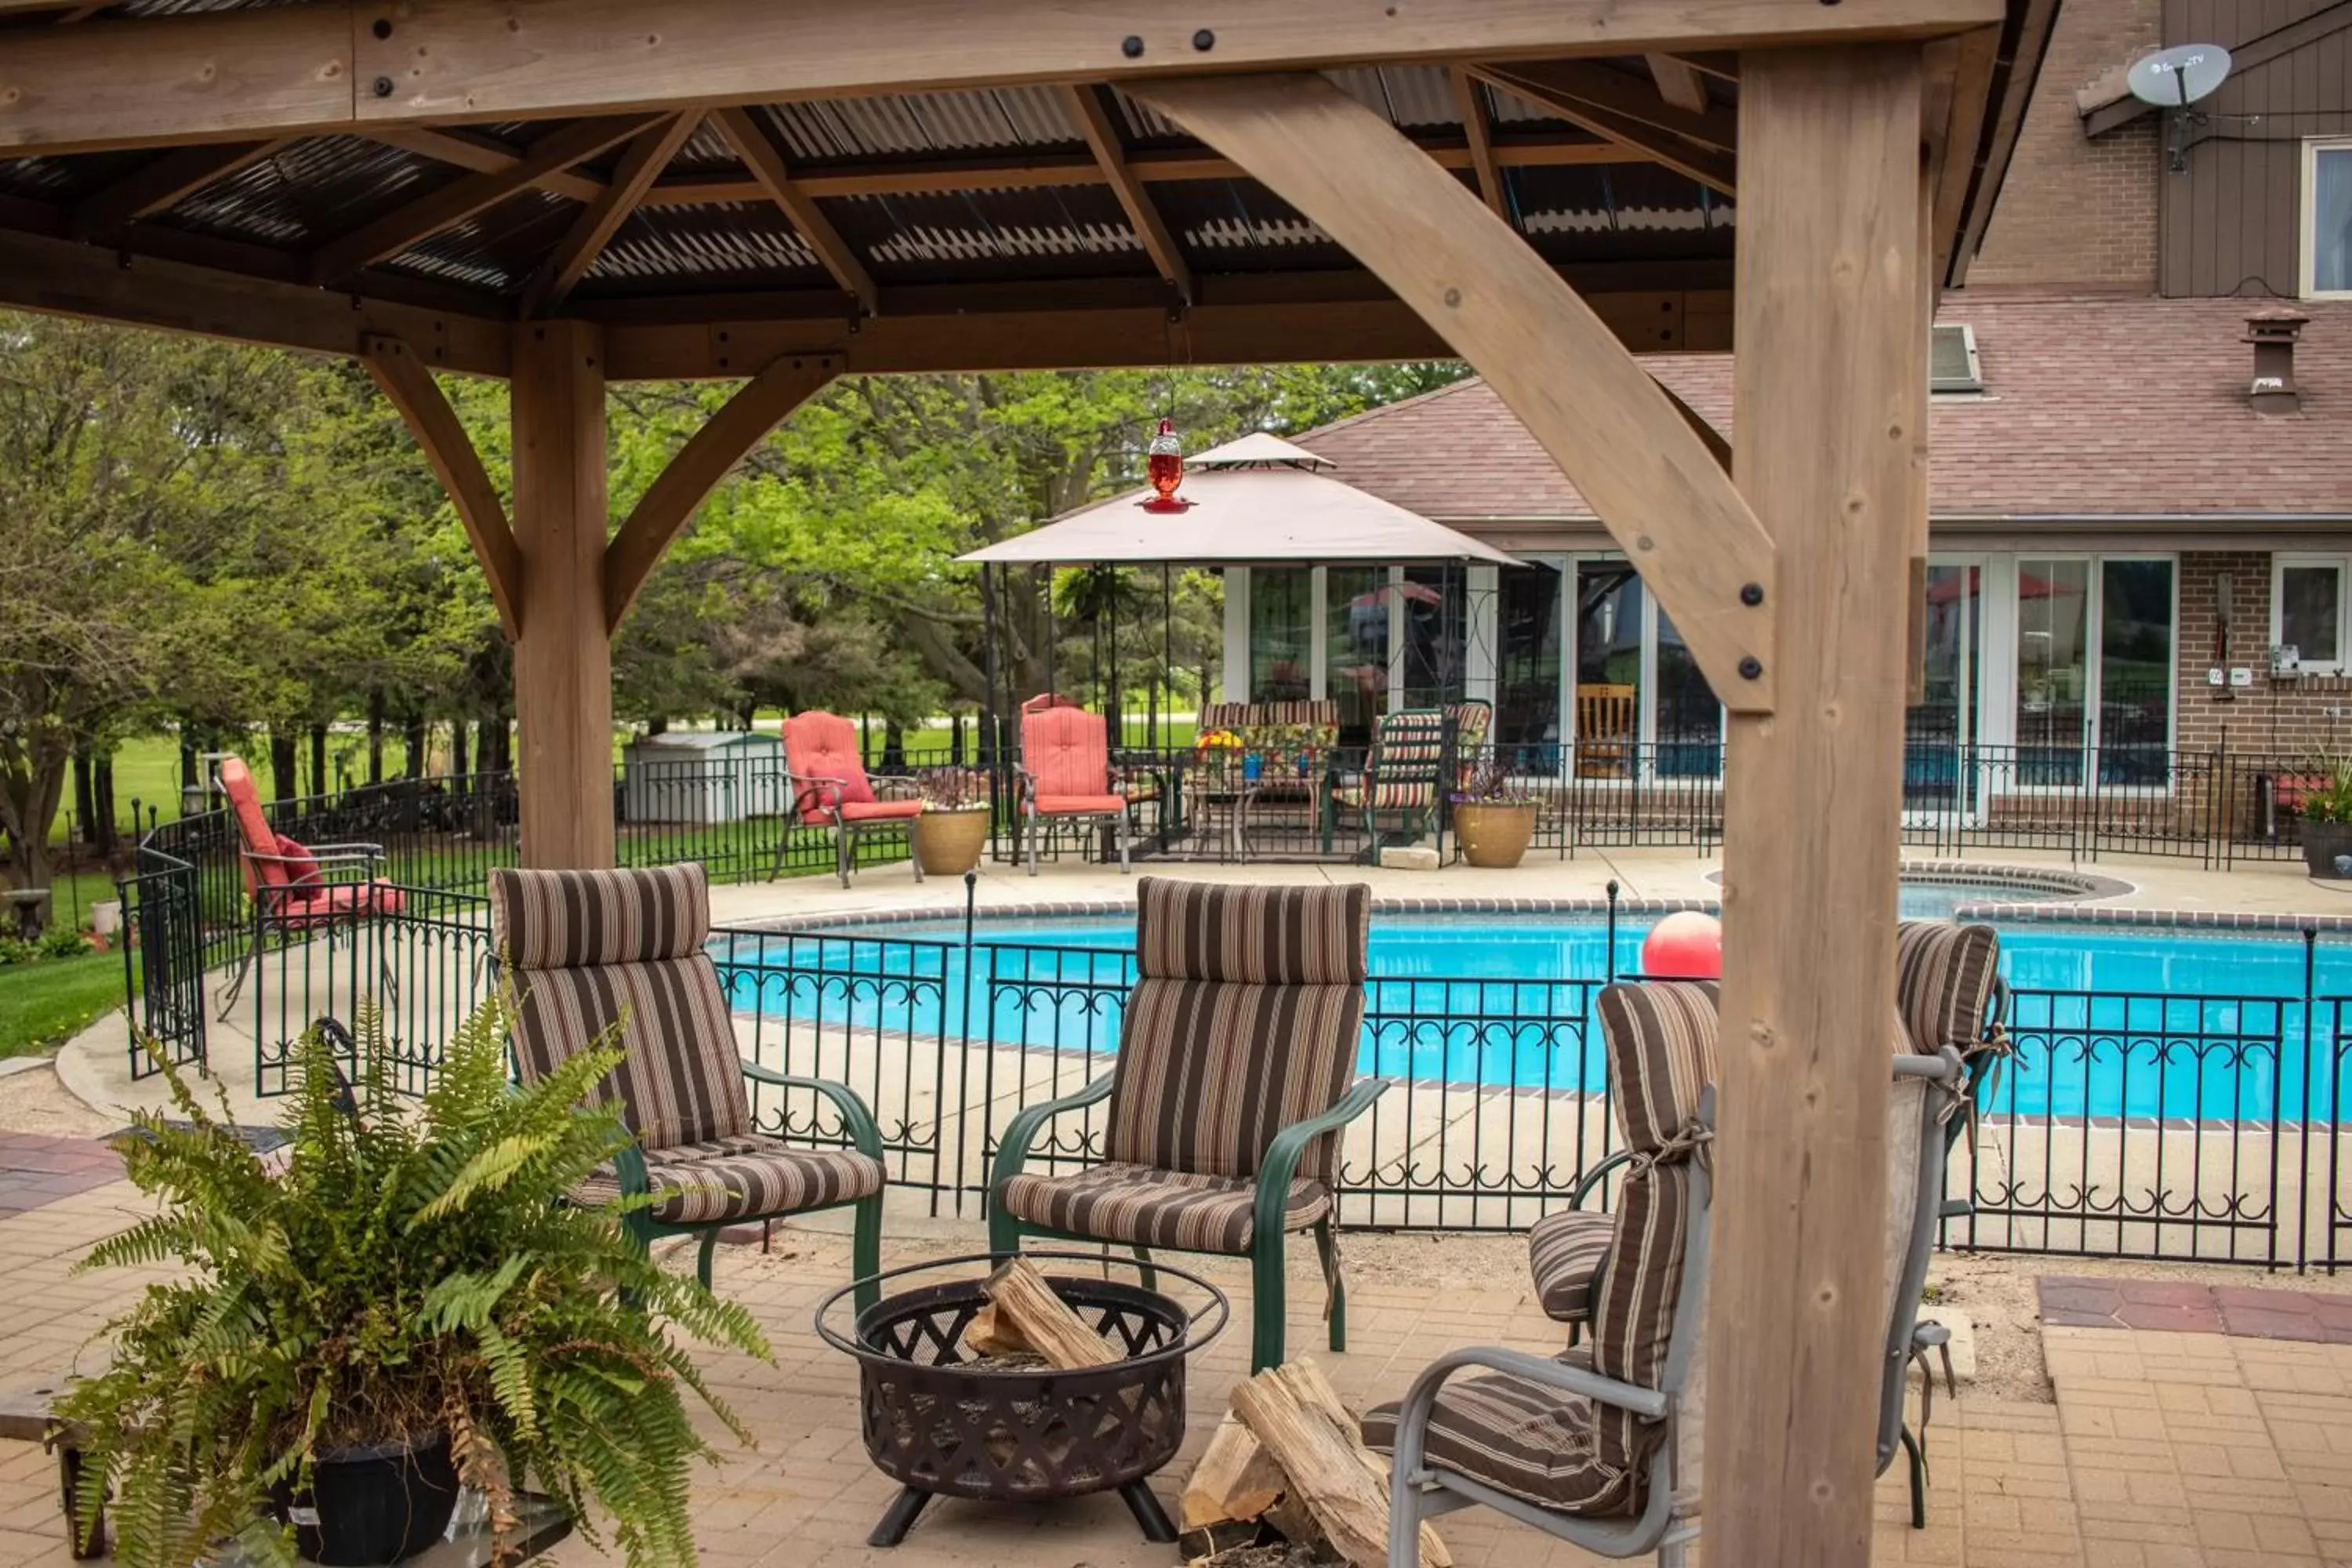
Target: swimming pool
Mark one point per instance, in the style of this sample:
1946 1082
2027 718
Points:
2109 1021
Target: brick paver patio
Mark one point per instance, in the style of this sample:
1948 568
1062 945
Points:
2163 1449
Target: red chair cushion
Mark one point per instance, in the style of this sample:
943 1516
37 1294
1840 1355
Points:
1079 805
338 900
296 861
817 746
880 810
1068 752
252 826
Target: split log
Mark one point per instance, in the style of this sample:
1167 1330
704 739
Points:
1294 1412
1027 1306
988 1334
1235 1480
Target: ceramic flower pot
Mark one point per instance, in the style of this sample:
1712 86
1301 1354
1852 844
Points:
1494 834
948 842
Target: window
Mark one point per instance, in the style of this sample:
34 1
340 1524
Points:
1356 648
1437 602
1527 674
1281 627
2327 218
2095 661
2307 609
1952 360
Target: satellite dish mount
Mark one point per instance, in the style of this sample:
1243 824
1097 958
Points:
2174 79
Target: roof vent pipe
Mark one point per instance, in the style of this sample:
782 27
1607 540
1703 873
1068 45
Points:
2273 333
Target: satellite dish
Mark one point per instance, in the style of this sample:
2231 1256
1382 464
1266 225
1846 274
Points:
2179 77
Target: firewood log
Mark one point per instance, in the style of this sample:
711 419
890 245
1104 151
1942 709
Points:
1235 1480
988 1334
1292 1411
1027 1306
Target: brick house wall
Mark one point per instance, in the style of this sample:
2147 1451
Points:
2074 212
2283 719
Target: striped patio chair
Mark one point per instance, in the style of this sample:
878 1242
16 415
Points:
1401 775
1236 1071
590 953
1602 1447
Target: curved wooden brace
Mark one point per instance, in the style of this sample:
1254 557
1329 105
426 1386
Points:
757 407
406 380
1653 484
1709 437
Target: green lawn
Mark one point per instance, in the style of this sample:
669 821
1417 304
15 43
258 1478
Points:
44 1004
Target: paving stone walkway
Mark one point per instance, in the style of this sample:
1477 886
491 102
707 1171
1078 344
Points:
37 1171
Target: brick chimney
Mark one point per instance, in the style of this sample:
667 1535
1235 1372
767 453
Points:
2273 332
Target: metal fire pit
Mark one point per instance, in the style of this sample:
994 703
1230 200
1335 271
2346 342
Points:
1023 1434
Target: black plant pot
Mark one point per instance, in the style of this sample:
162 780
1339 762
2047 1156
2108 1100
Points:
368 1506
2321 843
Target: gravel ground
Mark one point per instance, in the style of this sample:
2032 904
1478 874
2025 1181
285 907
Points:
32 1101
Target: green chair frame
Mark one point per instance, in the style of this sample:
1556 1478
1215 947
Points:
1381 766
866 1243
1267 1286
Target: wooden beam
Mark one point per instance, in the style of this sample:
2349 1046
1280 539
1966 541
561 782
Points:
1613 432
163 183
461 198
577 251
766 160
483 156
708 457
406 381
562 660
1679 82
1959 75
2030 43
314 68
1094 122
1629 98
1715 170
57 276
1469 100
1828 361
1709 437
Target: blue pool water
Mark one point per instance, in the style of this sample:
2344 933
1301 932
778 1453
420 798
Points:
2109 1021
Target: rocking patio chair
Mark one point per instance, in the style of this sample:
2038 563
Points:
299 889
1236 1071
589 951
824 773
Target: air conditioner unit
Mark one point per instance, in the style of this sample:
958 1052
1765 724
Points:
2286 659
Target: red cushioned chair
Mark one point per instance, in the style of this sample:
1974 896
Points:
1065 776
830 788
299 888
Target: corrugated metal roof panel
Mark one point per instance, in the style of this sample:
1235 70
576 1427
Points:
728 243
1002 120
1072 231
498 249
1234 225
303 195
1412 98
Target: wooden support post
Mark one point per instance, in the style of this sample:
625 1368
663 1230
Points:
563 663
1829 357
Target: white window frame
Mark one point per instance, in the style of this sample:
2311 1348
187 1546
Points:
2342 566
2094 672
2306 229
1646 708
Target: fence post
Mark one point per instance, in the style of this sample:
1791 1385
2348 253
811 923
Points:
1609 958
2303 1165
963 1058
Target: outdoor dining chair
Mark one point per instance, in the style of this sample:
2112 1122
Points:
1065 776
590 954
1236 1072
299 889
826 778
1403 774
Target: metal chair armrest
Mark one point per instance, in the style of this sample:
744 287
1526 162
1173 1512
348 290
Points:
1592 1178
1013 1151
629 1165
1289 1145
863 1132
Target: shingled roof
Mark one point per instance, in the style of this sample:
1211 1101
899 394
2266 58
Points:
2091 408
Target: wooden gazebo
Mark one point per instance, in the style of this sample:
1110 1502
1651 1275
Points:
567 192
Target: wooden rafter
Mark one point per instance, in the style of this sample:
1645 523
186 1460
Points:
1679 82
757 407
461 198
769 167
308 69
1102 138
161 183
1469 99
1630 98
1716 171
483 156
1654 486
406 381
594 229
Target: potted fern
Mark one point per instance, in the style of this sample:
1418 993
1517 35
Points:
391 1305
2326 811
954 828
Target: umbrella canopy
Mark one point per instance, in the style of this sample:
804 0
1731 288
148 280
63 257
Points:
1258 500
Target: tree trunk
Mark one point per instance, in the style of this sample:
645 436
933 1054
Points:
894 747
955 738
414 736
460 753
85 795
32 788
103 788
284 781
318 783
658 726
375 737
189 777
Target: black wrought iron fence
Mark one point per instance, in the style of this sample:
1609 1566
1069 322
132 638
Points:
164 962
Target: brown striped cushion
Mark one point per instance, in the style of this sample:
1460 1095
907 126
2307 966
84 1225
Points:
1267 936
1944 976
1209 1072
1145 1207
552 920
1520 1437
682 1078
1565 1251
1664 1030
752 1177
